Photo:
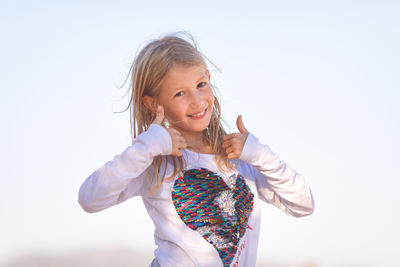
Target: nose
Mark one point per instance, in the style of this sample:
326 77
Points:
196 99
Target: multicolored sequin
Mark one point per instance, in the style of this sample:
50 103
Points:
217 210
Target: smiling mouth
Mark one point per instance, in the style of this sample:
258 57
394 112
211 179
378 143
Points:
198 115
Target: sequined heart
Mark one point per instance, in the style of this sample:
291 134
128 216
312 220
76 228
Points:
217 210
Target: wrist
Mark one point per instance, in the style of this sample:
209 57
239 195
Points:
249 148
161 142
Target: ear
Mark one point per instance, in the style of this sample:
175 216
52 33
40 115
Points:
148 102
208 73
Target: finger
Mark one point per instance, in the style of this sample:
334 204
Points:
159 115
226 144
240 125
175 132
181 145
234 148
230 136
232 155
177 137
181 140
229 150
232 142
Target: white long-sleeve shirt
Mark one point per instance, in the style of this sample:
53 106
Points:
203 217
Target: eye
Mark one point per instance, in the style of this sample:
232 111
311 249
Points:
202 84
180 93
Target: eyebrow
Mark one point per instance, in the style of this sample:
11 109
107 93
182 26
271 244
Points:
202 77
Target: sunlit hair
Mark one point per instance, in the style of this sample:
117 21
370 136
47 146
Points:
148 69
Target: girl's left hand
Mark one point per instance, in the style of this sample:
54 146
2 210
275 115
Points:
234 143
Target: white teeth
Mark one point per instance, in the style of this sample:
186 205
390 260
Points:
199 114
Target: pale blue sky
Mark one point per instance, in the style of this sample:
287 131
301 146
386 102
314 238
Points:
318 81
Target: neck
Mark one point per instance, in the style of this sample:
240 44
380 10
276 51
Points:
195 142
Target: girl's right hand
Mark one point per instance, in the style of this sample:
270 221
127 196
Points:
178 142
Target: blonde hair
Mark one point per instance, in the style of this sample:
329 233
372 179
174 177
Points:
147 71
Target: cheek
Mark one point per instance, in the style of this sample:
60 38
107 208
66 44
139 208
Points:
174 110
211 98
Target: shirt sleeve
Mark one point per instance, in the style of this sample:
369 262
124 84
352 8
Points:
124 176
276 182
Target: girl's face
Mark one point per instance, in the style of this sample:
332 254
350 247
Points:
187 98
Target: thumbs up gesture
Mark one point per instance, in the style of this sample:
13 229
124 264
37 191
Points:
159 115
178 142
234 143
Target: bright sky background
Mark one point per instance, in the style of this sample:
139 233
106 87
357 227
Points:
318 81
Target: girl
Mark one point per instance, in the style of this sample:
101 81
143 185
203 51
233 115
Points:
200 186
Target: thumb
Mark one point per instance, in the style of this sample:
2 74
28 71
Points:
159 115
240 125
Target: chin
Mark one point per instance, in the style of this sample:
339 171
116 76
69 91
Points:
199 128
